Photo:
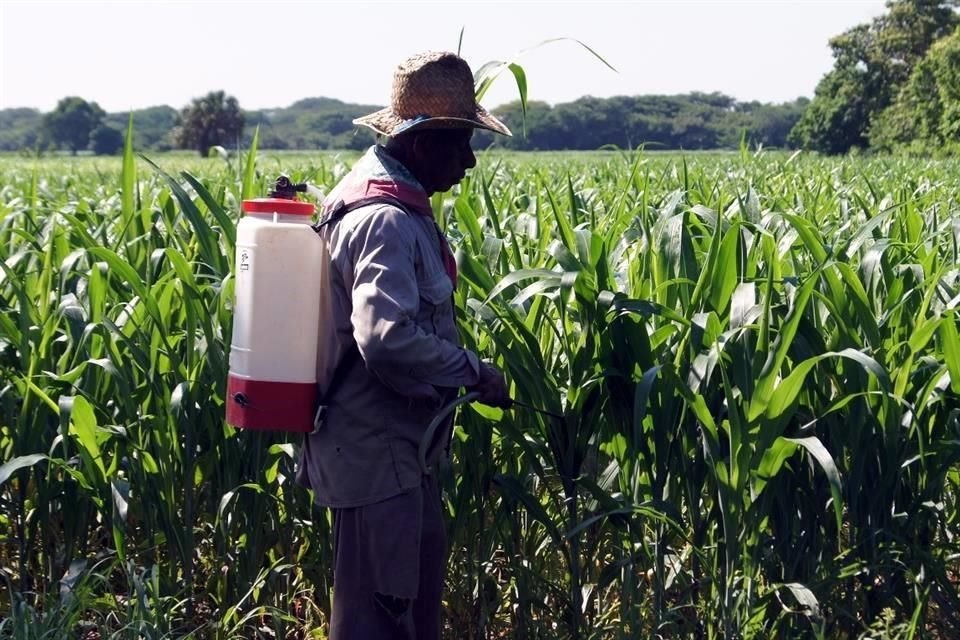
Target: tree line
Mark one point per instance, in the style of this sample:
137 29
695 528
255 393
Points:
78 125
894 87
691 121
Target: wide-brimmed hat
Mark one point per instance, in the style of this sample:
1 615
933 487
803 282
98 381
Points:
432 90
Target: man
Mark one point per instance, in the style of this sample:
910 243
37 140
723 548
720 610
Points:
392 346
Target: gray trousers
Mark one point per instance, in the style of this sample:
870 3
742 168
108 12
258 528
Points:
389 564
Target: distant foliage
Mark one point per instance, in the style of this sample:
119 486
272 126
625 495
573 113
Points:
152 127
313 123
19 129
106 141
69 125
872 64
926 114
214 119
691 121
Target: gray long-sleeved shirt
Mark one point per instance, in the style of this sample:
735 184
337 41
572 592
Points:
388 290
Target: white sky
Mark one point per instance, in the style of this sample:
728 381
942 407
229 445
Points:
134 54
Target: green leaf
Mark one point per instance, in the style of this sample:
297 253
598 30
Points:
857 296
40 393
523 274
923 333
788 389
725 274
249 187
21 462
806 598
83 425
128 175
203 233
768 379
516 492
469 223
563 224
121 498
227 224
182 268
122 270
950 343
819 452
772 461
120 490
149 462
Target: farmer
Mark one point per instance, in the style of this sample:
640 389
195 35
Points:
392 357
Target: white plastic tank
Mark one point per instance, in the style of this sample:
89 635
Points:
272 380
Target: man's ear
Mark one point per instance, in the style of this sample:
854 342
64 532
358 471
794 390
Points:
419 158
418 147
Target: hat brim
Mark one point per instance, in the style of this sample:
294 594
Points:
387 123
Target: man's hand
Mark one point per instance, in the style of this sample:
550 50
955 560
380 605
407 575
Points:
492 387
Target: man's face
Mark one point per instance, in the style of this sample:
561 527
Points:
443 156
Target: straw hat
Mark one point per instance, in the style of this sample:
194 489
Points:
432 90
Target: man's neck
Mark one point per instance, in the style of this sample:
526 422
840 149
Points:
401 154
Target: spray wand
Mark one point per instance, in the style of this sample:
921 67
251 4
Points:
427 438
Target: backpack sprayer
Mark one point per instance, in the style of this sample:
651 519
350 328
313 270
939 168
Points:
272 383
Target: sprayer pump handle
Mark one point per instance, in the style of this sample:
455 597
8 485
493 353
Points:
283 188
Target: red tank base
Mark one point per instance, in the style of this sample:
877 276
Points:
271 406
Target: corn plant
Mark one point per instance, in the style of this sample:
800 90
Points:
750 364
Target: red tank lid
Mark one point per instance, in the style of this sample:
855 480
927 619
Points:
278 205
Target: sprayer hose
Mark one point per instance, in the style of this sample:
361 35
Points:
427 438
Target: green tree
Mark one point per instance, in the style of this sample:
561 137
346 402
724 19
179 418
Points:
926 114
765 124
944 62
871 63
214 119
835 121
152 126
691 121
19 128
106 141
70 123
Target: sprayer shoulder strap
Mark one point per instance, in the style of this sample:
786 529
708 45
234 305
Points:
335 215
341 209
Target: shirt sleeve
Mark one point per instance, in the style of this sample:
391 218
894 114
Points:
386 301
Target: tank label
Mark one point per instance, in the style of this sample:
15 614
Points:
244 259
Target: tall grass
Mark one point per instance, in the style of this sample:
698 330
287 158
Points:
755 357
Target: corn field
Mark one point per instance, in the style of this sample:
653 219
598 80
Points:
755 357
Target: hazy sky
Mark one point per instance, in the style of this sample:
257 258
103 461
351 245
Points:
133 54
